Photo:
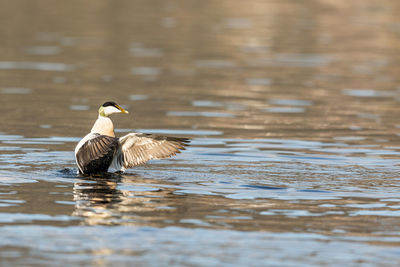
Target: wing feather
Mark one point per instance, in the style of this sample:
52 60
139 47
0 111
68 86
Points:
96 148
138 148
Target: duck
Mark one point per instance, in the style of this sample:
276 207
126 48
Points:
100 151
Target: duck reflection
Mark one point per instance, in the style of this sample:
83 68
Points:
126 199
95 196
101 190
134 200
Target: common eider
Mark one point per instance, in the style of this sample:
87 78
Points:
100 151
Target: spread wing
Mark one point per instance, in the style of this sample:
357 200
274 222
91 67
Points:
137 148
95 147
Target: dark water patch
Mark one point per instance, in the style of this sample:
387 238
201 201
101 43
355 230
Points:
68 173
263 187
313 191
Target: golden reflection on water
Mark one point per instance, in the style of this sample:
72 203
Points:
303 55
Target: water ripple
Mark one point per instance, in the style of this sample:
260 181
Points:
42 66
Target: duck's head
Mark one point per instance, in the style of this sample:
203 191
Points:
111 107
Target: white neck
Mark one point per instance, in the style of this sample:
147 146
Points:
103 125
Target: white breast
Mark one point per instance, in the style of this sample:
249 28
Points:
103 125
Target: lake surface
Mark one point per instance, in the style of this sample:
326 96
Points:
292 108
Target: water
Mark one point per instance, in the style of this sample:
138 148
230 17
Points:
292 111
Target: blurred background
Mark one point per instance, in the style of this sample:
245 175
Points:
292 108
253 69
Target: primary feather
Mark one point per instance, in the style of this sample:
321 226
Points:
138 148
